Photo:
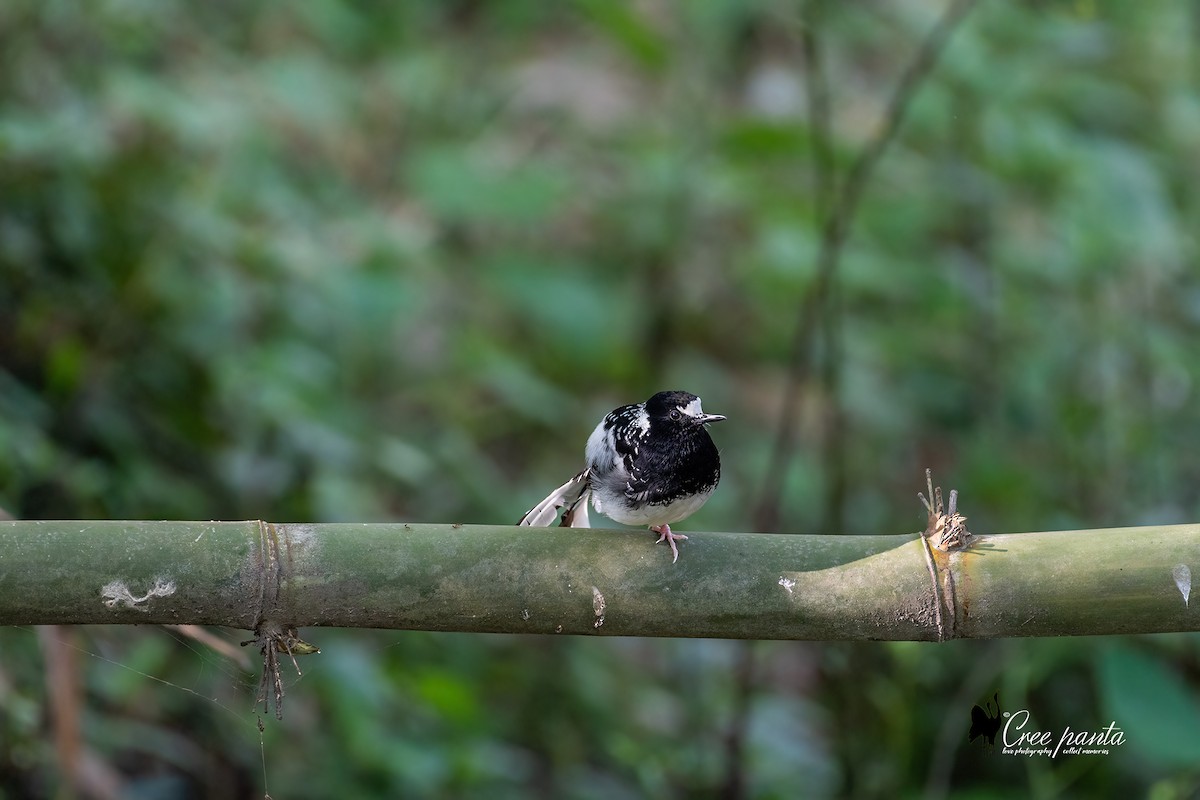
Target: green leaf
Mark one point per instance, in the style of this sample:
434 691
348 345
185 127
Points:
1150 702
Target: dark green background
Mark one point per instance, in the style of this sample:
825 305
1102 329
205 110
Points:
342 261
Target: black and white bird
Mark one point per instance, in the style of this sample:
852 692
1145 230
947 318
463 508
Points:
650 463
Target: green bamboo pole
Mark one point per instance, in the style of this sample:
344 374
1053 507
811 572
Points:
508 579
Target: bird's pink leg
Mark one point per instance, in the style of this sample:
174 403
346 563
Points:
664 534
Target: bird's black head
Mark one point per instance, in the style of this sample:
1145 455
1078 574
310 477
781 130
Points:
678 408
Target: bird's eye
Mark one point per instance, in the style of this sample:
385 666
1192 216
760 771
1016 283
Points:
675 413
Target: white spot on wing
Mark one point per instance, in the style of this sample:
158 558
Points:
599 445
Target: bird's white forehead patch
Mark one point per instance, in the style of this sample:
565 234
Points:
693 408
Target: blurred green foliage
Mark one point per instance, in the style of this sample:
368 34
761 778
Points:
338 261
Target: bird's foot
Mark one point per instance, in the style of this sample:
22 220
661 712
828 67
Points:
665 535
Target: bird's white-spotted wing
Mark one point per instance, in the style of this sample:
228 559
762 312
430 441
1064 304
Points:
612 449
572 494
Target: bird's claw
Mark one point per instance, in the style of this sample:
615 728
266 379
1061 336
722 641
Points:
665 535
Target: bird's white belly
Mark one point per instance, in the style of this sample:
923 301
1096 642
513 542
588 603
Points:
614 505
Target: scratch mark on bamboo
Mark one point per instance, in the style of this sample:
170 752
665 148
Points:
1183 579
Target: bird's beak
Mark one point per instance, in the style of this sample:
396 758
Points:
704 419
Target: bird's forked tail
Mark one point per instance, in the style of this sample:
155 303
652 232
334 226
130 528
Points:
573 494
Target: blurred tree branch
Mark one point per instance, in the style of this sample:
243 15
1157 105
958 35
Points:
837 207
